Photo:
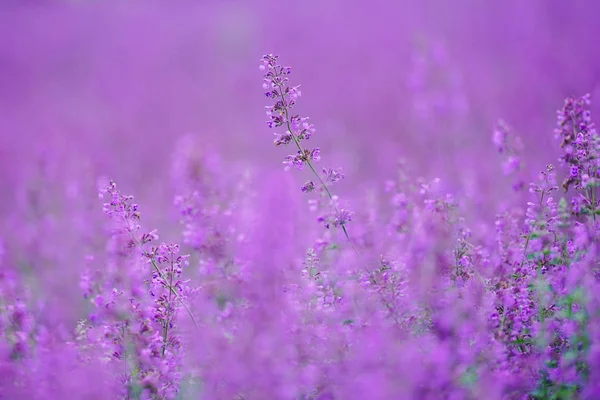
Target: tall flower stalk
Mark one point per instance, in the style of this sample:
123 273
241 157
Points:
298 129
120 207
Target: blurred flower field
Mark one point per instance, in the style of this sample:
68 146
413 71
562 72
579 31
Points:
316 200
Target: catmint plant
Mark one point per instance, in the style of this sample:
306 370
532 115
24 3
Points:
431 299
510 146
297 129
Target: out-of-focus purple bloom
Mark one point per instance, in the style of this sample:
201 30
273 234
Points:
511 148
308 186
336 218
333 175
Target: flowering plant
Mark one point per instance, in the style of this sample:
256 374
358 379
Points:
253 301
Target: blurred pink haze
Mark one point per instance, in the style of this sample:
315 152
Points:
109 87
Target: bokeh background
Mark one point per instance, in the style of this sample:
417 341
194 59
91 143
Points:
94 89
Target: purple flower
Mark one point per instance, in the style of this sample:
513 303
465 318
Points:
579 140
333 175
308 187
336 218
301 158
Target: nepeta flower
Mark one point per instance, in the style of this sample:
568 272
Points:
336 218
297 129
121 209
137 307
285 96
301 158
282 138
580 142
511 165
332 175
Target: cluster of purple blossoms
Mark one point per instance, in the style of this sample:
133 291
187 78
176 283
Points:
433 306
298 129
301 158
581 145
329 176
336 218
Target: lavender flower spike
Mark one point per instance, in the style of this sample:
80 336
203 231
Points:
297 129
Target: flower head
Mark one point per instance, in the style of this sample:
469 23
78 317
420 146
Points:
579 141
